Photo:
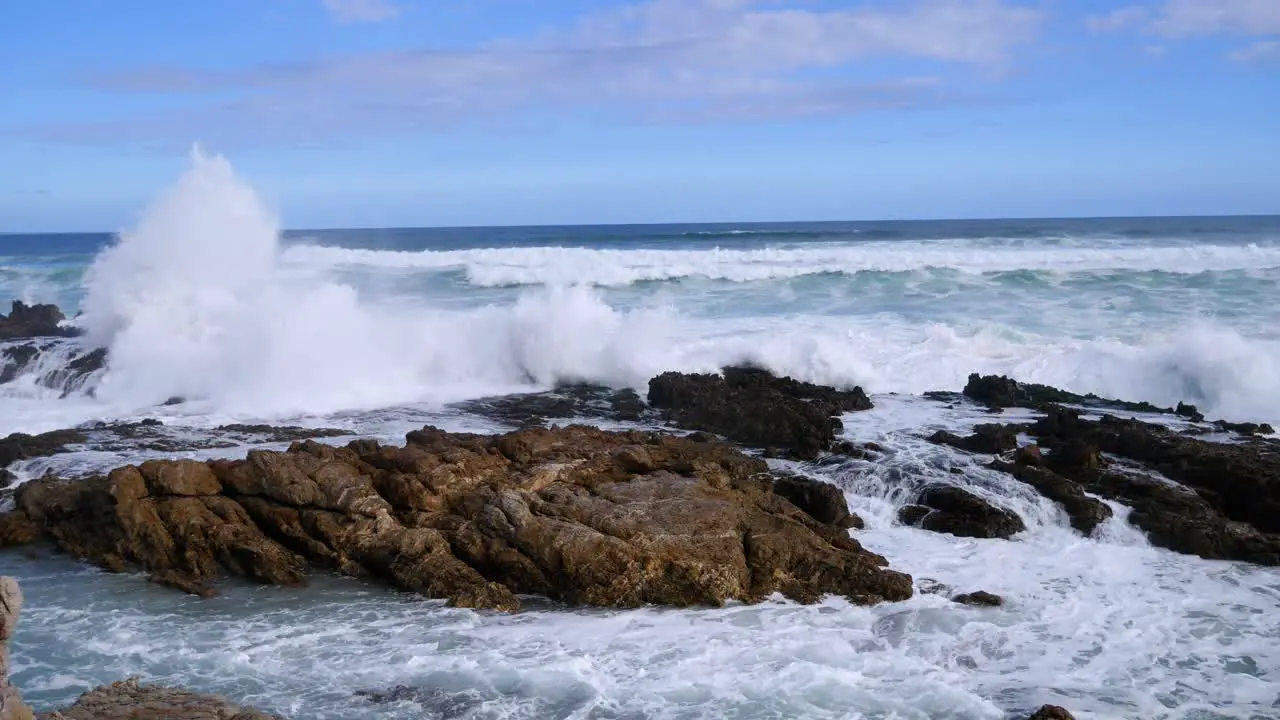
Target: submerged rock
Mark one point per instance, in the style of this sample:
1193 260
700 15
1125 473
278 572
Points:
758 409
579 515
988 439
568 401
29 321
21 446
981 598
953 510
1052 712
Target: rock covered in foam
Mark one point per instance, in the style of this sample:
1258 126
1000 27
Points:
758 409
577 514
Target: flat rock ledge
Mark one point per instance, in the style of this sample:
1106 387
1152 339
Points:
576 514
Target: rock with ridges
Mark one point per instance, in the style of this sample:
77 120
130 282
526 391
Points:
26 321
755 408
959 512
578 514
11 705
822 501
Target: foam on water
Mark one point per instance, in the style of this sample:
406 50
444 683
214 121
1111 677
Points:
543 265
1109 627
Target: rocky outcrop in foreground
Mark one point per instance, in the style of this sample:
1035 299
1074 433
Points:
577 514
753 407
29 321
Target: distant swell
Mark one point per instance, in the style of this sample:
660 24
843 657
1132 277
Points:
498 267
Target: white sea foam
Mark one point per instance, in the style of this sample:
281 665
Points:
613 267
200 301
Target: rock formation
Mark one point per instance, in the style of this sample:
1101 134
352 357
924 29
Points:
28 321
1212 499
953 510
11 705
577 514
757 409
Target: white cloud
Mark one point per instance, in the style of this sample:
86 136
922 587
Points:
1185 18
1119 19
1259 51
361 10
665 60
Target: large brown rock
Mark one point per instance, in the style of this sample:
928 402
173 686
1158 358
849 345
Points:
11 705
577 514
756 408
131 700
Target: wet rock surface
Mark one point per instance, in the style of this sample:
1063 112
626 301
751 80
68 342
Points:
955 511
579 515
758 409
563 403
1218 500
998 391
20 446
988 439
822 501
1052 712
981 598
131 700
31 321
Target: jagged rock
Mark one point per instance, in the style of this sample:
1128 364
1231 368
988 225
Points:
988 439
131 700
1029 455
15 359
1246 429
577 514
1004 392
822 501
1086 513
981 598
755 408
959 512
28 321
1052 712
17 529
1223 501
20 446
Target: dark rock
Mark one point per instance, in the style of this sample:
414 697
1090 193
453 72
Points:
20 446
988 439
1029 455
1247 429
280 433
757 409
959 512
1052 712
1004 392
29 321
1191 412
566 401
1086 513
1223 501
15 359
577 514
822 501
980 598
913 514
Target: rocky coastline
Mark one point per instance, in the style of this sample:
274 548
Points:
692 515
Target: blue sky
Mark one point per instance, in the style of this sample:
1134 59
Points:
477 112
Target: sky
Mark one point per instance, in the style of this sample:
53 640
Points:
362 113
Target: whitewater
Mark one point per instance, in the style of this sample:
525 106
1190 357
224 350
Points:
212 314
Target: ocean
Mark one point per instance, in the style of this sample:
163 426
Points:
380 331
